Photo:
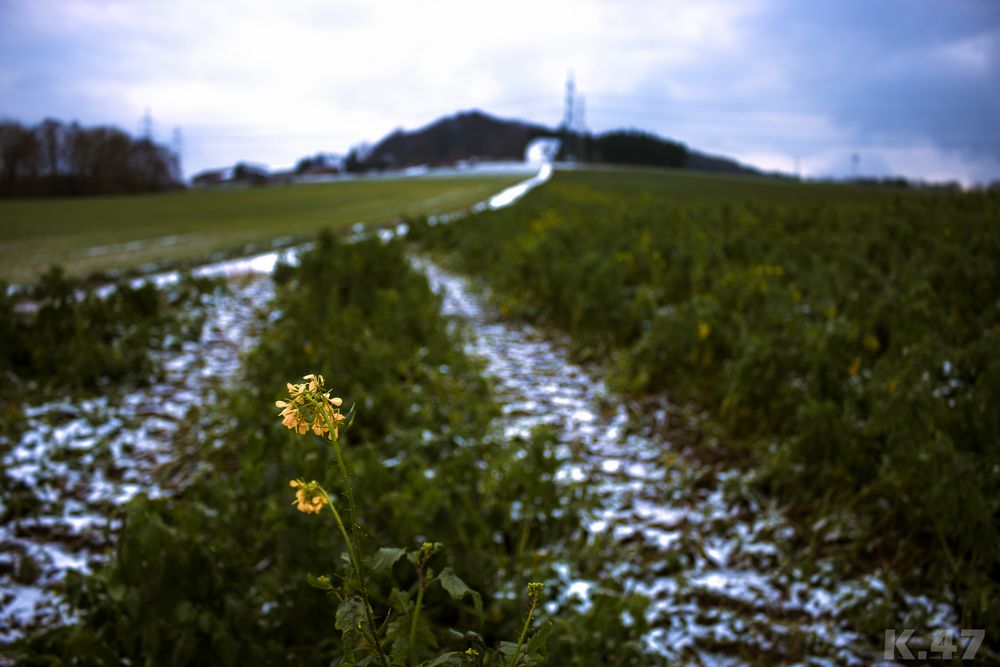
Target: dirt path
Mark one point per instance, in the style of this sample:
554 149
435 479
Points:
711 556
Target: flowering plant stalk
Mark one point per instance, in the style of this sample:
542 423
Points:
534 595
309 407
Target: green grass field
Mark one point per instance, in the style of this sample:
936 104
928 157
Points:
101 233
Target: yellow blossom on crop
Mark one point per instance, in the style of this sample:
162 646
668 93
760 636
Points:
703 330
308 407
855 366
309 498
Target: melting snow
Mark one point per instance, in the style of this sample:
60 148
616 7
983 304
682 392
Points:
710 560
77 461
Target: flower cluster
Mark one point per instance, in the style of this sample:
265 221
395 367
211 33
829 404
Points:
309 407
309 498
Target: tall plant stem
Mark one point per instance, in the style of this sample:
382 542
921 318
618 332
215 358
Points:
524 632
353 546
416 619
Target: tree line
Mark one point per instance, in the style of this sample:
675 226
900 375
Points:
624 147
59 159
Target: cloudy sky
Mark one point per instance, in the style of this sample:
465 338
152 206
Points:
912 87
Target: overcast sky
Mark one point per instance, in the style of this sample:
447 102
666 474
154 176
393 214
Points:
911 86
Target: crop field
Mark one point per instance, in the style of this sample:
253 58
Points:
635 417
844 341
96 234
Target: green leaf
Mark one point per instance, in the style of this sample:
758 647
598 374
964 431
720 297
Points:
398 636
385 558
400 601
322 582
538 643
467 636
508 648
350 615
458 589
449 658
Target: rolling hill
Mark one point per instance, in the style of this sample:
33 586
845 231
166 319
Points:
475 135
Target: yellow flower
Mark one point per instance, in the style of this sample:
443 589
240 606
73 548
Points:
291 416
315 381
310 408
703 330
309 498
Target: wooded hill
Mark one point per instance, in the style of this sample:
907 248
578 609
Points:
474 135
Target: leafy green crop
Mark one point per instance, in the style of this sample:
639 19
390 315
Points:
218 573
70 338
848 341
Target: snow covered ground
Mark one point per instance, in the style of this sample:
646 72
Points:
710 554
692 536
78 461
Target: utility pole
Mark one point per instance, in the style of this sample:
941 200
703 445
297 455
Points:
581 125
177 146
569 109
147 125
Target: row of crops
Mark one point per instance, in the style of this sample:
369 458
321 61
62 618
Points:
840 346
845 343
454 520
